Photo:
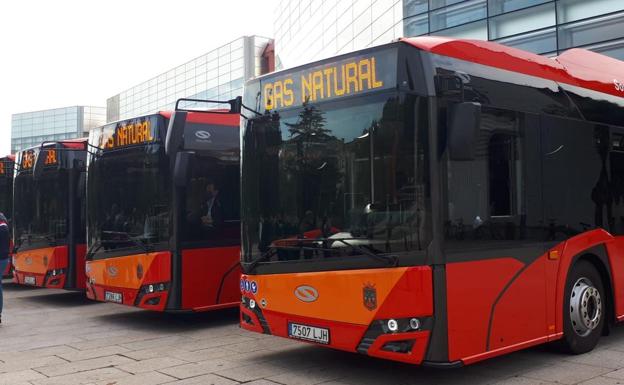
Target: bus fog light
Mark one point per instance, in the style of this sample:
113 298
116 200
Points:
252 304
414 323
393 325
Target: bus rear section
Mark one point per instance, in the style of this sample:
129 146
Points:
434 201
7 166
49 217
163 222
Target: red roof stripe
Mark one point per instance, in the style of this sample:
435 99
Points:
578 67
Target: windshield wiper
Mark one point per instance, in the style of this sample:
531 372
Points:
138 241
392 260
48 237
263 257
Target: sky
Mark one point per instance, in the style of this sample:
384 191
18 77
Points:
67 52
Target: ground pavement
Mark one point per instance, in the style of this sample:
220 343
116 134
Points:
55 337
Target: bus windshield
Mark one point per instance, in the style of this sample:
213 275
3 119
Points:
128 204
41 211
336 181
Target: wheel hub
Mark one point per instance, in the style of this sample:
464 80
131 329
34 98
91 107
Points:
585 307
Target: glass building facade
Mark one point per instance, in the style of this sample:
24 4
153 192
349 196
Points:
218 74
312 30
32 128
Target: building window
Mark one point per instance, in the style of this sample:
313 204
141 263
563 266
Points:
461 13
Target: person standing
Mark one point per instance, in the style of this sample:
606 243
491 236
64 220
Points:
4 252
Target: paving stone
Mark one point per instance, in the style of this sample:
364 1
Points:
604 358
566 372
310 376
80 355
617 374
156 342
23 363
197 369
40 352
86 377
152 378
80 366
151 365
203 355
602 381
522 381
250 372
17 376
206 379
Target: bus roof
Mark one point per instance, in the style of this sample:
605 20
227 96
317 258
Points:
219 116
577 67
76 144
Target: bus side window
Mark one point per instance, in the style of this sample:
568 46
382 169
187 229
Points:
489 197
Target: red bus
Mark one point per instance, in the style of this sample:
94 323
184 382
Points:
435 201
7 165
163 210
48 215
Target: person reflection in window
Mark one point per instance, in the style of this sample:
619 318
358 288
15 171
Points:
212 209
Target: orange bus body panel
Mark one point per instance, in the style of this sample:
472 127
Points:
340 306
39 262
127 274
202 268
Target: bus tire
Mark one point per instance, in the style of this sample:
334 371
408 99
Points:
584 309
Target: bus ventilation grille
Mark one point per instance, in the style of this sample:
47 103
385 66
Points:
365 344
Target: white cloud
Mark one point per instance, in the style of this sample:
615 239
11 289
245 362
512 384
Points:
70 52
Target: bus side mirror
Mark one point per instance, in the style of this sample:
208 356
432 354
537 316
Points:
39 163
182 167
464 122
175 132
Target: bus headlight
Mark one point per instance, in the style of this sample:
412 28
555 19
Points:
393 325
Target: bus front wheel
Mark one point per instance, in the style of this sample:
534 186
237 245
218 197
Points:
584 308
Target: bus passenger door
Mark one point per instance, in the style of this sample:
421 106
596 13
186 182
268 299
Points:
493 239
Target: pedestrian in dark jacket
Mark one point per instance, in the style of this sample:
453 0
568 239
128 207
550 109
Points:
4 252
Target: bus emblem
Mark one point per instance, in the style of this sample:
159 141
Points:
306 293
370 296
203 135
112 271
28 260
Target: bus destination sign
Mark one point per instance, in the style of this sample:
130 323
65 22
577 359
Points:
351 76
127 133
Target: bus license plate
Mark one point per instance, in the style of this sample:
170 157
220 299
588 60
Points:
111 296
30 280
308 333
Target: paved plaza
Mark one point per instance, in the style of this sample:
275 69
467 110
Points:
56 337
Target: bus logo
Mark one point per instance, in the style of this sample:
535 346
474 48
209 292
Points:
370 296
112 271
306 293
202 135
28 260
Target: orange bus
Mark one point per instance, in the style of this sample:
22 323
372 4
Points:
435 201
7 165
163 210
49 217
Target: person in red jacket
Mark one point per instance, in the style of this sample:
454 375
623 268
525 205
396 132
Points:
4 252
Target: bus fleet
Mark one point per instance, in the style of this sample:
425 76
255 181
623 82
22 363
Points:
433 201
